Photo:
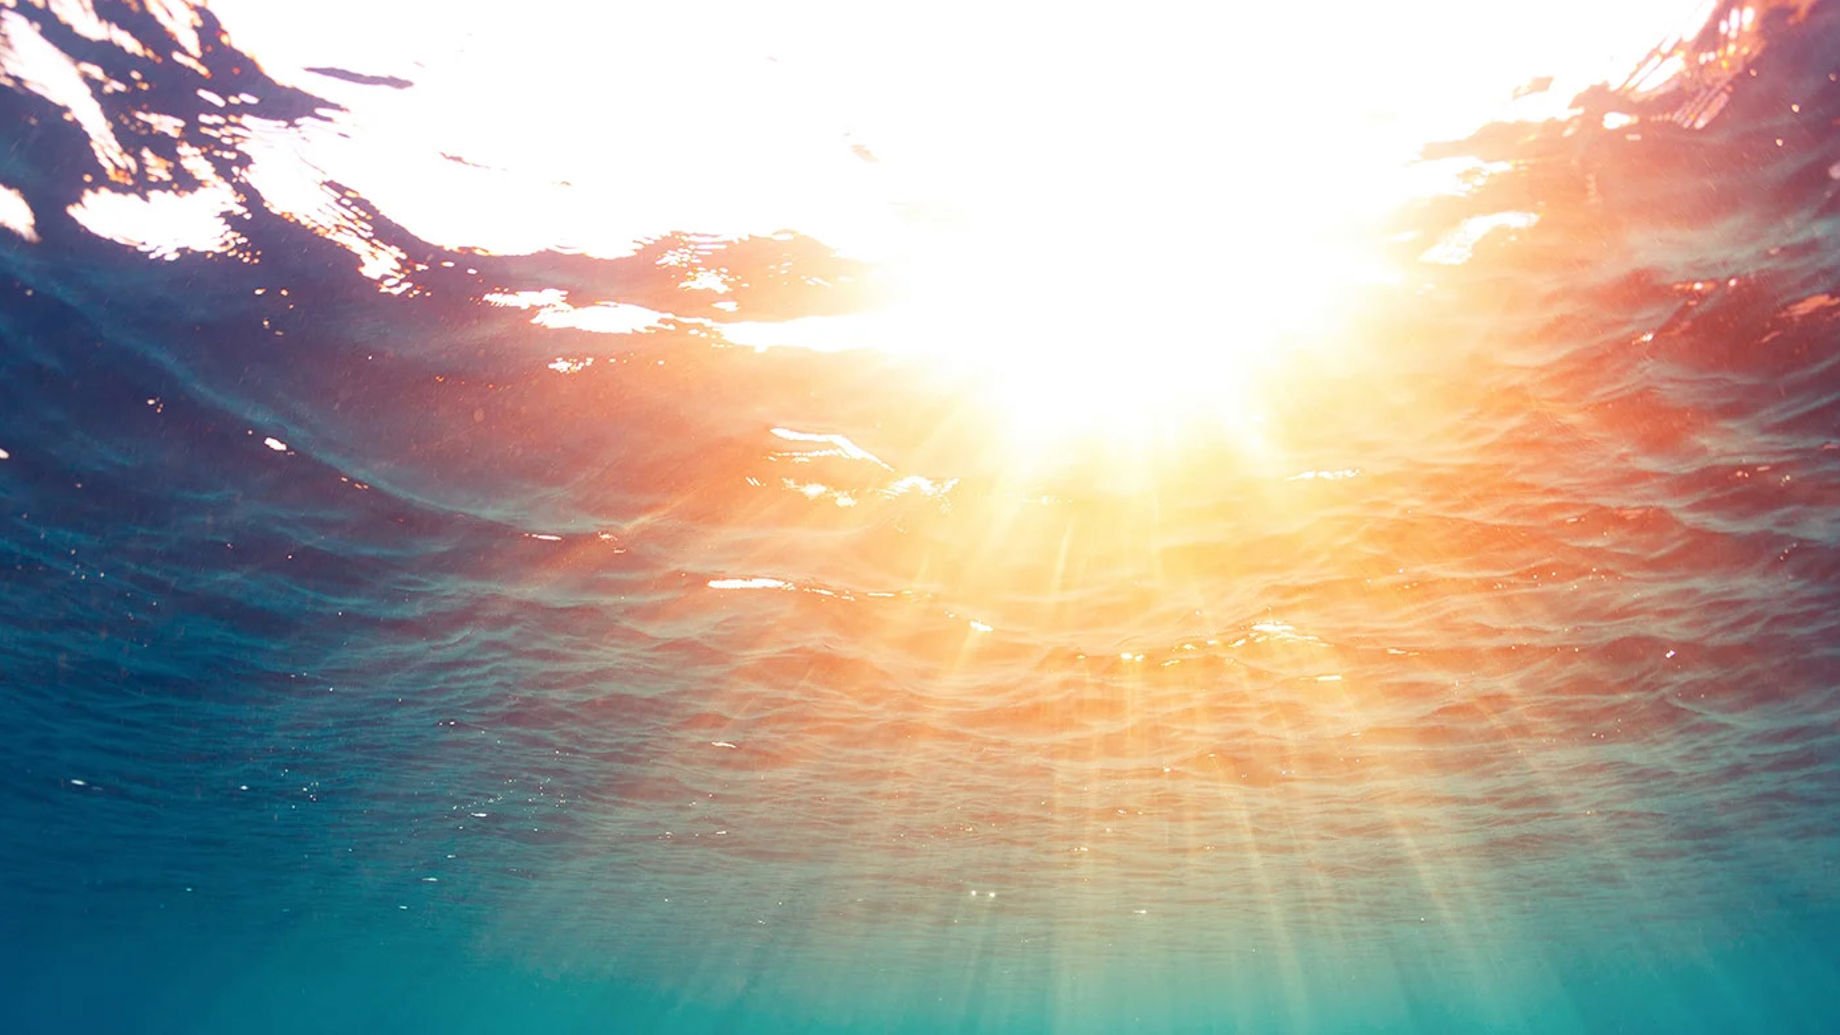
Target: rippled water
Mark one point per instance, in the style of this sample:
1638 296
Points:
372 656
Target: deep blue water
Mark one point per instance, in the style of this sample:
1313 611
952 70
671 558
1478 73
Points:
363 670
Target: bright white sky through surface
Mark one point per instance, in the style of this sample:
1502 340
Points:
1133 145
734 117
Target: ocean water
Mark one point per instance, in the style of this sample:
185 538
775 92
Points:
373 658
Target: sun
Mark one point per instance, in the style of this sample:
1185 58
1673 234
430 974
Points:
1155 311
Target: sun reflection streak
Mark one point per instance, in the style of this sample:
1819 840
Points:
16 214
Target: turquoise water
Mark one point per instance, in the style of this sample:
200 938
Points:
364 670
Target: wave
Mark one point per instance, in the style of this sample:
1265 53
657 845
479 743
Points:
408 560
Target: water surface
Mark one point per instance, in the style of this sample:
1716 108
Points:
453 638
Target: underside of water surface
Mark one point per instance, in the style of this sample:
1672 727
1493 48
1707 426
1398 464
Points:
1158 607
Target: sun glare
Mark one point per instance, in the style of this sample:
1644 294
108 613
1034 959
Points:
1112 223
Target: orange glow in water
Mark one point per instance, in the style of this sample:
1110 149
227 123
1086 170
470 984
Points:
1109 482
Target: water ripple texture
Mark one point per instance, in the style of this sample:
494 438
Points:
486 637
